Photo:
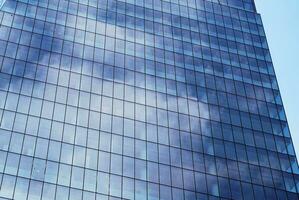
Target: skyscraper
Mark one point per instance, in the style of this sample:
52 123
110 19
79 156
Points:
140 99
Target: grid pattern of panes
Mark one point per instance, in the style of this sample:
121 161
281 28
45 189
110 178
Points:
140 99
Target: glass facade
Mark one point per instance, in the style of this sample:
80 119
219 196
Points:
140 99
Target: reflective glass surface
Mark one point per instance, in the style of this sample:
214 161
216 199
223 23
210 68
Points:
140 99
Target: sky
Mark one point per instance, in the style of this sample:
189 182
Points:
281 23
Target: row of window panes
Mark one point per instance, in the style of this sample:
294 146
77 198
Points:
121 60
77 177
20 188
126 108
206 51
146 100
8 32
106 100
121 108
214 130
20 122
7 20
89 22
118 74
95 124
215 94
118 144
139 10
